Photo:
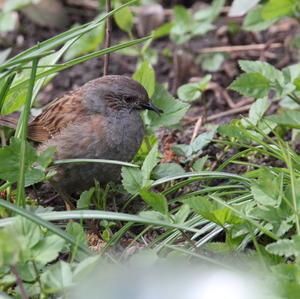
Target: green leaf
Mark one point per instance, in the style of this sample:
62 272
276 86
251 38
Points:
77 231
167 169
203 140
124 18
162 31
155 200
46 157
211 13
10 163
196 146
284 247
211 210
184 150
47 249
211 62
28 230
132 179
57 277
182 25
189 92
87 43
264 68
278 8
173 109
288 118
240 7
146 76
85 199
251 84
233 130
199 164
254 20
149 163
257 110
266 191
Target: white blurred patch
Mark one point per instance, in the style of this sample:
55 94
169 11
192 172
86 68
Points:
174 282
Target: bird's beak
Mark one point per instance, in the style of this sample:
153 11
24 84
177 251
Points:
151 106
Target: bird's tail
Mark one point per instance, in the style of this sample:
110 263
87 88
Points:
8 121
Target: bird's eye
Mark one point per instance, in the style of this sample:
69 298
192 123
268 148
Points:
129 99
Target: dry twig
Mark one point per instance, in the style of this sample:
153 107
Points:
240 48
107 38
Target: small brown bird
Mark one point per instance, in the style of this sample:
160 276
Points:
100 120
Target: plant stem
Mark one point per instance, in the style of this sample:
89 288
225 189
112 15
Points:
19 282
23 135
107 38
5 88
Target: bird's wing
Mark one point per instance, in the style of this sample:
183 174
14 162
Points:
58 115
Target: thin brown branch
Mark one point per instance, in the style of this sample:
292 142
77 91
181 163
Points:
196 129
107 38
189 120
19 282
228 113
240 48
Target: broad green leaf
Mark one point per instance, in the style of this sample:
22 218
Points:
124 18
255 22
291 72
264 68
173 110
211 13
132 179
251 84
146 76
240 7
167 169
189 92
261 196
182 25
288 118
184 150
85 199
211 210
155 200
11 246
199 164
257 110
149 163
278 8
77 231
211 62
10 163
47 249
57 277
203 140
28 230
197 145
284 247
233 130
162 31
